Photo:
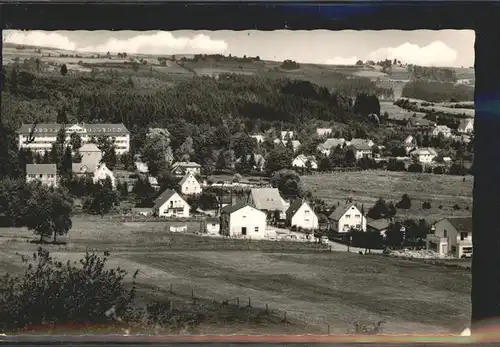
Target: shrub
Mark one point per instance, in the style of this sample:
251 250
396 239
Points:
426 205
456 207
51 292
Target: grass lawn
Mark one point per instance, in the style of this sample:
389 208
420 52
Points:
365 187
314 288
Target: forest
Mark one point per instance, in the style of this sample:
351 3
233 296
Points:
437 91
211 112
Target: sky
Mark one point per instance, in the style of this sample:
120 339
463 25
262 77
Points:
451 48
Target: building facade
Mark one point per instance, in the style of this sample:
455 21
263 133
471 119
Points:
42 136
45 173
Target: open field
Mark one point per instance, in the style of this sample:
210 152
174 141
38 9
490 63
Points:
365 187
319 288
396 112
445 107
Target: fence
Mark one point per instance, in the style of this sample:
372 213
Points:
247 310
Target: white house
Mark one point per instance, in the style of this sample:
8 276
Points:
301 160
441 129
190 185
102 172
424 155
452 235
344 219
301 215
212 225
285 135
243 220
362 148
45 173
44 135
91 155
171 204
183 167
330 144
259 138
466 126
323 132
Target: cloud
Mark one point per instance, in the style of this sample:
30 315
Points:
436 53
39 38
161 43
157 43
342 61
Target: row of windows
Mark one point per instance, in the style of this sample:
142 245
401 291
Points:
348 216
41 175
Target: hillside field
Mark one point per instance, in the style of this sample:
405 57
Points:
365 187
315 288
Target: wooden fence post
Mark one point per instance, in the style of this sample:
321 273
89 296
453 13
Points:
238 302
267 309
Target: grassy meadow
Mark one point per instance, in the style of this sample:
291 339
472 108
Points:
365 187
315 288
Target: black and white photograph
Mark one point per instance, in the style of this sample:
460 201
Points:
237 182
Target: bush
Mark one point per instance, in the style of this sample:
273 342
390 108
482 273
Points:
404 203
51 292
456 207
415 168
438 170
426 205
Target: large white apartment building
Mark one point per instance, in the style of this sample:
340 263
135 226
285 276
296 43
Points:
45 135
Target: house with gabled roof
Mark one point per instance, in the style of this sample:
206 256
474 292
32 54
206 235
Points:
182 167
452 235
259 160
44 173
424 155
466 126
189 185
242 220
301 215
330 144
415 122
301 161
171 204
362 148
269 201
343 219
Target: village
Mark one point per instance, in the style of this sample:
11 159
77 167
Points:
250 207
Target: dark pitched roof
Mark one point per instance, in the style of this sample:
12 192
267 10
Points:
294 207
163 197
462 224
185 178
378 224
340 211
233 208
414 121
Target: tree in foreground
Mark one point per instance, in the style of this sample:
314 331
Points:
48 211
50 292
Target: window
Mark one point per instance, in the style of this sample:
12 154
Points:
463 236
358 226
445 233
256 229
306 211
357 216
347 216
